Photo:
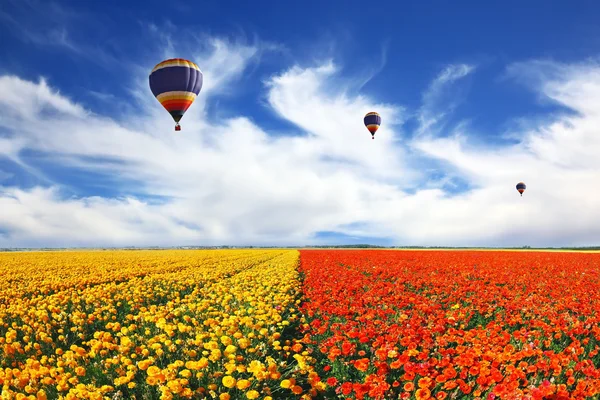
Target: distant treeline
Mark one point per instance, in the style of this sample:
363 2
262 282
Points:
341 246
346 246
362 246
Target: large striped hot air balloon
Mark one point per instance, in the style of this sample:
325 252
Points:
521 187
175 83
372 122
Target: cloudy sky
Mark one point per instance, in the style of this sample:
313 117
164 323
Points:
474 98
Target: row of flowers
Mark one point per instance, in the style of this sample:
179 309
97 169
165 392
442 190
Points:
462 324
152 324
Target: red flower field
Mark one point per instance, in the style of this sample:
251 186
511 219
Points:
453 324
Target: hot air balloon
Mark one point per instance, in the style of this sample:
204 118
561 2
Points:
175 83
372 122
521 187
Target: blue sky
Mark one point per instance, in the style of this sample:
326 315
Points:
474 98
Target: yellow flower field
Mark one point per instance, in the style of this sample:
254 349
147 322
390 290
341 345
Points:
152 324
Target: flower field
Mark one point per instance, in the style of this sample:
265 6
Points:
427 324
314 324
149 325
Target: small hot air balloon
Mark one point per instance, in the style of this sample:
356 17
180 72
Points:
175 83
372 122
521 187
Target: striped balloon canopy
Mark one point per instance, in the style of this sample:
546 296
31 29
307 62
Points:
521 187
372 122
175 83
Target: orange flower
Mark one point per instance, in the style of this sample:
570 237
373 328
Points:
401 306
362 364
424 382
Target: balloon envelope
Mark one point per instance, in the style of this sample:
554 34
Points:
175 83
521 187
372 122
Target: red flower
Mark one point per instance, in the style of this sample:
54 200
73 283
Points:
346 388
515 318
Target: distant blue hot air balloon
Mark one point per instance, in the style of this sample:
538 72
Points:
175 83
372 122
521 187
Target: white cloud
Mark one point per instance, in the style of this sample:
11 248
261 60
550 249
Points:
557 160
436 106
334 121
26 100
229 181
43 216
225 63
451 73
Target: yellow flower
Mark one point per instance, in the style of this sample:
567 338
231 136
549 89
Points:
286 384
226 340
153 371
202 363
230 349
241 368
143 365
230 368
186 373
200 330
243 384
150 380
300 360
228 381
174 386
